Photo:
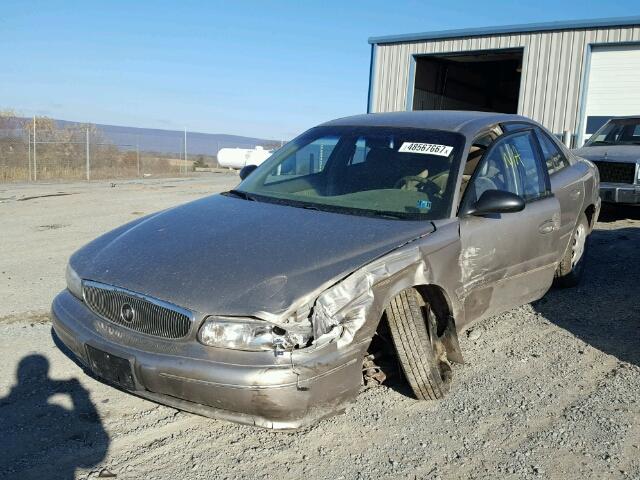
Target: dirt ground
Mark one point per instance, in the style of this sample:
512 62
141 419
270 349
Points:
549 390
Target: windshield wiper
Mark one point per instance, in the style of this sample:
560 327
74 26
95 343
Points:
240 194
395 216
351 211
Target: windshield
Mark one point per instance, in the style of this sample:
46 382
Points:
405 173
617 132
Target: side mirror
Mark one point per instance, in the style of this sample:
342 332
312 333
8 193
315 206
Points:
246 171
496 201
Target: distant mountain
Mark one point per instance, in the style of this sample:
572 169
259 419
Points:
171 141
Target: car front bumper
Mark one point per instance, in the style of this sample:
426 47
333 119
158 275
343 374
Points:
619 193
288 391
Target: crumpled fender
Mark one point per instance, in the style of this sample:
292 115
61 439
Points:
339 311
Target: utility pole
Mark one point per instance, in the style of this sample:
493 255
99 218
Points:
185 150
138 157
35 164
29 142
88 162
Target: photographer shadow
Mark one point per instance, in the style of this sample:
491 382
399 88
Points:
41 438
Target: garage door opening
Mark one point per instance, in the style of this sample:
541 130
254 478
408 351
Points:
485 81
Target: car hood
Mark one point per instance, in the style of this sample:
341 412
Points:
611 153
225 255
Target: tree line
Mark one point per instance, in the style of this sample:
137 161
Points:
44 149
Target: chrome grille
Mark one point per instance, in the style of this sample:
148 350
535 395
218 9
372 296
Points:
150 316
614 172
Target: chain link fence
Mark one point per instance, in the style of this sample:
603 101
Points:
43 150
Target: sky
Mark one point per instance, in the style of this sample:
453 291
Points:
268 69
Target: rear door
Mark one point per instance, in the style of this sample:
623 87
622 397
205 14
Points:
566 184
509 259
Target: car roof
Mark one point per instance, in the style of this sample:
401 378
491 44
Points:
626 117
463 121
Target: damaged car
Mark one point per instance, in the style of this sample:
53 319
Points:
259 305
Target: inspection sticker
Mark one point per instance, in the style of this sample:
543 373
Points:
426 149
424 204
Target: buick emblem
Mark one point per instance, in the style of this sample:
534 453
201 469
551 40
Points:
127 313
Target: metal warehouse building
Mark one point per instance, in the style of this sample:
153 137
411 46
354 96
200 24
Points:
569 76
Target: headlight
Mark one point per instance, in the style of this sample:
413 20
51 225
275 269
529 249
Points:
74 282
242 334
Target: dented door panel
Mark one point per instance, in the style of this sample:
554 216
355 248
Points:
507 260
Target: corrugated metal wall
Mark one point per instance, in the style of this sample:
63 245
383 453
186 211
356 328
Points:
552 69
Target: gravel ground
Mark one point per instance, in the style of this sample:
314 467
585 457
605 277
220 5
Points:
43 224
549 390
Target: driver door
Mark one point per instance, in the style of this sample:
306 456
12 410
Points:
509 259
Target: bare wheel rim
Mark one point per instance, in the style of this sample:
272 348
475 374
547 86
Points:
440 352
444 367
579 240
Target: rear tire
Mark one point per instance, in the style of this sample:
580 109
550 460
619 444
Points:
571 267
421 353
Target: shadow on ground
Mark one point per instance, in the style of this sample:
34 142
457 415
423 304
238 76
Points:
48 428
613 213
607 316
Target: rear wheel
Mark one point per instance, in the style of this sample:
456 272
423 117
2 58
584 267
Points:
571 267
421 352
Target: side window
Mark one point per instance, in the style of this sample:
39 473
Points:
311 158
553 157
510 165
361 151
532 184
477 150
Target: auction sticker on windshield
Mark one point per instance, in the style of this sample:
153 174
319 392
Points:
425 148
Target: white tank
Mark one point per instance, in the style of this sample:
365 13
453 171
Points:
239 157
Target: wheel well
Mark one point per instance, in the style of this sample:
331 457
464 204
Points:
590 214
436 298
382 351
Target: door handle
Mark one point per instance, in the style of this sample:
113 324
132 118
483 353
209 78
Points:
547 226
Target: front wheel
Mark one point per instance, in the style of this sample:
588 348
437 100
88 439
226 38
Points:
571 267
421 352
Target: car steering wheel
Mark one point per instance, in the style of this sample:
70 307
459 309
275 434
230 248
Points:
422 185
